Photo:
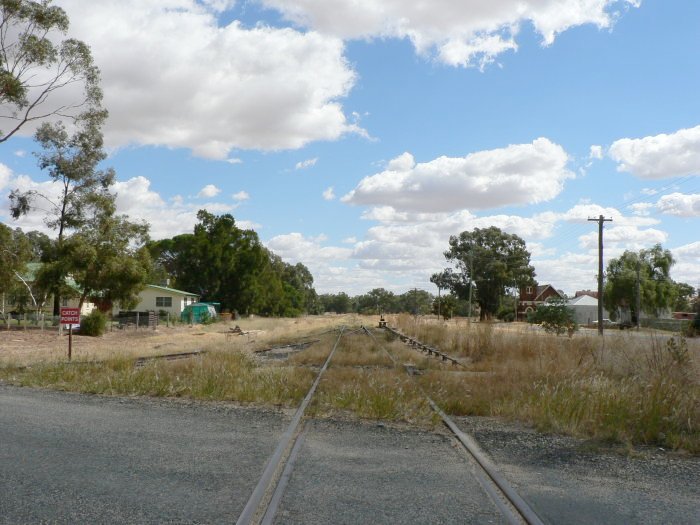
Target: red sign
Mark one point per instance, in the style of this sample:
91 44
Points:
70 315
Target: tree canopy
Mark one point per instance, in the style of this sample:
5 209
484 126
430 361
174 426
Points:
489 260
15 252
34 65
657 289
224 263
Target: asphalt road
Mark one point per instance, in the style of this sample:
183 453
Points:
70 458
67 458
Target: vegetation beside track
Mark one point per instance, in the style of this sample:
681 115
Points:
636 390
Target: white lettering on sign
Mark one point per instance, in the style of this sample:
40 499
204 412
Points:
70 315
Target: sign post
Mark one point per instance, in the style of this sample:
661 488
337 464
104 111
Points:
70 316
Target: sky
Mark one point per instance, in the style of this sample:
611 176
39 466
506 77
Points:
357 136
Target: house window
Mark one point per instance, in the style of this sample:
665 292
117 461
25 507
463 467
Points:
528 290
64 302
164 302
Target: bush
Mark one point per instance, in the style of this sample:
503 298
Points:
93 324
555 317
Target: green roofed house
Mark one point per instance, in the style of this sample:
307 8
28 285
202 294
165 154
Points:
23 297
158 298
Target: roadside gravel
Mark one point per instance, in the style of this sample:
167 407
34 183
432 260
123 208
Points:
568 480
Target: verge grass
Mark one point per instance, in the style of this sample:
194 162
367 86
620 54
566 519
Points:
628 387
226 376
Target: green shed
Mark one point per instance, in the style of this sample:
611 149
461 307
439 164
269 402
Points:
198 312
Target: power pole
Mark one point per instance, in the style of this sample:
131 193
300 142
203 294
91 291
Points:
639 300
600 220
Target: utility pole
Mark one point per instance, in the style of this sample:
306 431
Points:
639 300
600 220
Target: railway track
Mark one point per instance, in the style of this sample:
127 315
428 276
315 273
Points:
265 499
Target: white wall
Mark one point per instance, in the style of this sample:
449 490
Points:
148 301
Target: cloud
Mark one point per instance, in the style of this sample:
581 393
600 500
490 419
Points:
300 248
234 161
328 194
596 153
659 156
516 174
240 196
464 33
680 204
173 76
209 191
687 268
306 164
134 197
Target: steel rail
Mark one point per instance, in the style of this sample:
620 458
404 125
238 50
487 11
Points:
251 508
523 509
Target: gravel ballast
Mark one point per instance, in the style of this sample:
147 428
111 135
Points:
569 480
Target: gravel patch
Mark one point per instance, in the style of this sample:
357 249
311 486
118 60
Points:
568 480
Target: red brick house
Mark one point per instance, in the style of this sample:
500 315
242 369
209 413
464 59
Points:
533 296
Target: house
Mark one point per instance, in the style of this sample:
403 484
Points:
28 298
162 298
533 296
585 309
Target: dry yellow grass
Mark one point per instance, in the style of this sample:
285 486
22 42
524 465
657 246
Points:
627 387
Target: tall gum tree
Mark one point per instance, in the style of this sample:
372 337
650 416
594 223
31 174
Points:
41 76
81 189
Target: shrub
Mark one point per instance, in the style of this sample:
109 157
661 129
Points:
94 324
555 317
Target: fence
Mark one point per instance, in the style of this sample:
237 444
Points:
669 325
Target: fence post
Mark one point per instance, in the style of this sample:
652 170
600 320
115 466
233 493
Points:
137 320
25 321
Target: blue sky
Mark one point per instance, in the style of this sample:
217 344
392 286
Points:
356 138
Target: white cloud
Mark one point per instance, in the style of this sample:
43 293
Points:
660 156
306 164
173 76
209 191
328 194
240 196
516 174
5 176
297 247
620 238
134 197
687 267
642 209
680 204
20 153
596 152
464 33
234 161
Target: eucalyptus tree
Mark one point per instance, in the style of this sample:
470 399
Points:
488 261
41 76
80 190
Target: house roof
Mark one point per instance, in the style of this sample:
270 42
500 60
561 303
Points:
32 269
171 290
583 300
543 288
